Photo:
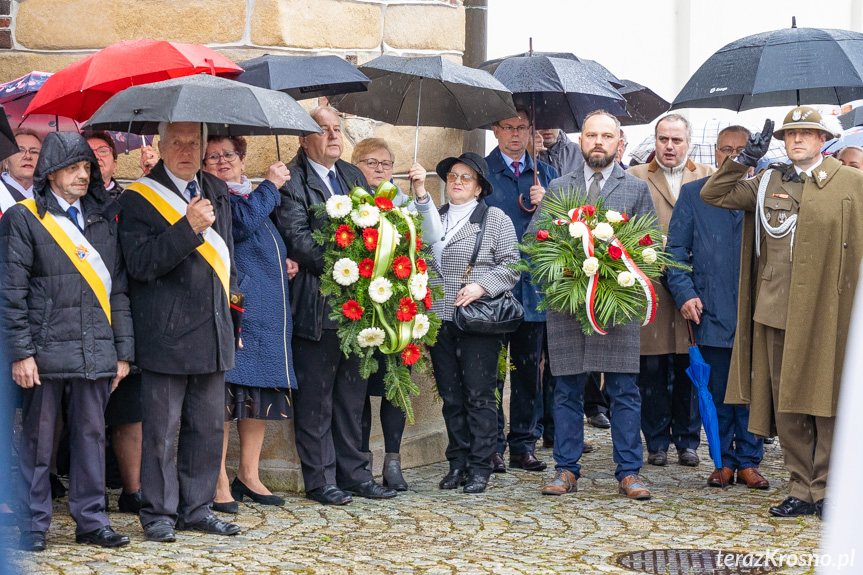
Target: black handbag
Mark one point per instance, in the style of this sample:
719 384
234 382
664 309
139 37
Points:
487 315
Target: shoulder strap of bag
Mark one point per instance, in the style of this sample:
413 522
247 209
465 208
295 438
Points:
477 245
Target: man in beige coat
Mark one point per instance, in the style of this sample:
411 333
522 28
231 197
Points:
802 244
665 342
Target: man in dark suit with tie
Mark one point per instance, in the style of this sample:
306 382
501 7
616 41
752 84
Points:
176 238
328 403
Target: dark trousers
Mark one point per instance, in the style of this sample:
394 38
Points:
194 404
392 424
465 369
328 408
740 448
525 349
41 404
596 398
625 420
667 418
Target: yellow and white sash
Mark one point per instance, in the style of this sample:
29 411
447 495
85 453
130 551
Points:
172 207
80 252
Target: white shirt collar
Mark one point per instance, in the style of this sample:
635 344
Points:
181 184
10 181
323 172
64 205
606 173
809 171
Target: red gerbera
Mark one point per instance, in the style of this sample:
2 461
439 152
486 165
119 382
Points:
411 354
345 235
625 217
589 210
615 252
645 241
427 300
421 265
402 268
352 310
419 240
366 266
542 235
407 309
370 238
384 204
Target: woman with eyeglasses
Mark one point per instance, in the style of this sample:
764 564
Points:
465 365
376 161
257 387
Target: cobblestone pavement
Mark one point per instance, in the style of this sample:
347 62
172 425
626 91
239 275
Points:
511 528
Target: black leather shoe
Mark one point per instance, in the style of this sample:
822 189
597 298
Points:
371 490
793 507
160 530
769 440
600 420
227 507
659 458
547 443
497 463
588 448
453 480
687 457
129 502
32 541
819 508
329 495
58 490
526 461
214 526
475 484
104 536
239 489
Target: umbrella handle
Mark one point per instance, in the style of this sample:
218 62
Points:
691 333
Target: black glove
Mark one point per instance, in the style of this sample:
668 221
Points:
756 146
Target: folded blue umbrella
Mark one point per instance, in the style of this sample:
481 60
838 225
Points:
699 372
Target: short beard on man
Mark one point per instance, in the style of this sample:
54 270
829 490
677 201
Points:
600 162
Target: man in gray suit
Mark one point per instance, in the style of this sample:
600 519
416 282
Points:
573 355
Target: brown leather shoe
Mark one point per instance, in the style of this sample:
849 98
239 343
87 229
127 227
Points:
752 478
498 465
564 482
526 461
721 477
633 487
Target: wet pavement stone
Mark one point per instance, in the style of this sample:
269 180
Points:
509 529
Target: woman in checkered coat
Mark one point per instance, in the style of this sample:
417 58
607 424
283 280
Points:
465 365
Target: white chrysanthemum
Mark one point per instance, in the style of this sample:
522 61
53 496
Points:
626 279
648 255
371 337
366 215
613 217
421 325
346 272
576 229
419 285
590 266
380 290
338 206
603 232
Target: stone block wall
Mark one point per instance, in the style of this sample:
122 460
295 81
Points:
47 35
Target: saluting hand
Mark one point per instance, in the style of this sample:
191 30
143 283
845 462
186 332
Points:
757 145
201 214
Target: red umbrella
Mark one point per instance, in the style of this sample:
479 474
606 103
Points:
78 90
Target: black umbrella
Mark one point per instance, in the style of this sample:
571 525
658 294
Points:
597 68
303 77
428 91
8 145
643 105
780 68
227 107
852 118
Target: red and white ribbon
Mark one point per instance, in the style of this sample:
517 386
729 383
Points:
645 282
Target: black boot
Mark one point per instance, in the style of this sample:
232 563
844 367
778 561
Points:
393 472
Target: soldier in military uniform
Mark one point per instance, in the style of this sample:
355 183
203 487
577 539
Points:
800 258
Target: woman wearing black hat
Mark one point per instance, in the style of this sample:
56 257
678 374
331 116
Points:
465 365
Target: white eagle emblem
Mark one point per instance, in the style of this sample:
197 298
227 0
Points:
796 115
821 175
81 252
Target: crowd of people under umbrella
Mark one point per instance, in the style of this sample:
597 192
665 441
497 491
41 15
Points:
167 308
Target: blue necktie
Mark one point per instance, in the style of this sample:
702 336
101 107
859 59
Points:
334 182
192 188
73 213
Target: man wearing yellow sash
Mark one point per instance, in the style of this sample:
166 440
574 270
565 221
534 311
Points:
67 325
176 238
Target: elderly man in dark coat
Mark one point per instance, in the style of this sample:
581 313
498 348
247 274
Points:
67 324
176 236
708 238
573 355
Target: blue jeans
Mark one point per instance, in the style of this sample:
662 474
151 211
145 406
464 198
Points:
625 422
740 448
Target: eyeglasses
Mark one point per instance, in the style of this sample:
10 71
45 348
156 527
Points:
373 164
730 150
103 151
31 151
215 158
453 177
511 129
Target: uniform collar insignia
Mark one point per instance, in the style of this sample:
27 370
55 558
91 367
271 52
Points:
821 174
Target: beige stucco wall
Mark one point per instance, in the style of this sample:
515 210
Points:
50 34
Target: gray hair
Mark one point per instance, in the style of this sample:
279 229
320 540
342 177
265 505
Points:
732 130
840 151
317 109
675 118
163 131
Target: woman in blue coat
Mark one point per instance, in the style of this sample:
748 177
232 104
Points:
257 387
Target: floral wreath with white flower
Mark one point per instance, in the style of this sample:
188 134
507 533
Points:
595 263
377 285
